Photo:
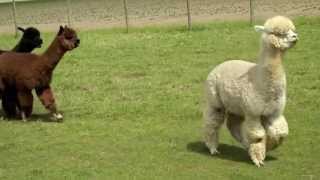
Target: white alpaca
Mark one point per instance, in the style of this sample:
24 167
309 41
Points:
251 97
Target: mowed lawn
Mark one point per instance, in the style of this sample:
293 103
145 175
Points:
132 105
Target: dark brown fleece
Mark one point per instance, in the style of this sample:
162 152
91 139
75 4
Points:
30 40
26 71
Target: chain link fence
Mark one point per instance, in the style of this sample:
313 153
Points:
47 14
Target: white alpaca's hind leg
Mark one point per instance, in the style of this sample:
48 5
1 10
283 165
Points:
234 124
213 118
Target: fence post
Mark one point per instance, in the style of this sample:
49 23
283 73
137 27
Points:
126 14
251 12
14 18
69 12
189 15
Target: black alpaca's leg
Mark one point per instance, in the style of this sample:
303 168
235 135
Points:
46 97
9 99
2 88
9 102
25 100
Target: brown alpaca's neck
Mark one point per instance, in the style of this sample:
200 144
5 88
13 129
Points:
54 53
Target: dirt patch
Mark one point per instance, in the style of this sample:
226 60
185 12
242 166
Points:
47 15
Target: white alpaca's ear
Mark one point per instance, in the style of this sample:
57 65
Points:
260 28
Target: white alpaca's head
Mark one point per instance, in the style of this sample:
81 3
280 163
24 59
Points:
278 32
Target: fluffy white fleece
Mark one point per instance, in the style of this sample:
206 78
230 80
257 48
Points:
250 96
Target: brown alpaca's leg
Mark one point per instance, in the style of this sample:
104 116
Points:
2 86
9 102
46 97
25 100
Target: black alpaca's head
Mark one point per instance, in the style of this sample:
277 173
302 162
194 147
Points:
30 40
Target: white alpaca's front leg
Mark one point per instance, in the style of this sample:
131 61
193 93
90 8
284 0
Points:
276 129
254 138
213 119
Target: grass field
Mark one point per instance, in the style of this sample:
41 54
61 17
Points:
132 106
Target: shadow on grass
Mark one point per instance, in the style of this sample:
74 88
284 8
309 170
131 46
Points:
32 118
228 152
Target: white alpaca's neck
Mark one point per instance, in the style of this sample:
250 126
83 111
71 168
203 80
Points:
270 71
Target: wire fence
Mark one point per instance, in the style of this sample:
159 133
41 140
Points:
46 14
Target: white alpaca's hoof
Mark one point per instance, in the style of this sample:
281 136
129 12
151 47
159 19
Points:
257 154
214 151
212 148
258 163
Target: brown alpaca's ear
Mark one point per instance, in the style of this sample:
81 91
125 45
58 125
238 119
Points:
60 31
21 29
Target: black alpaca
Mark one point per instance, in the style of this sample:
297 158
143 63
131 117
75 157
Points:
30 40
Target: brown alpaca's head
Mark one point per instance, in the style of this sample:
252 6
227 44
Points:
68 38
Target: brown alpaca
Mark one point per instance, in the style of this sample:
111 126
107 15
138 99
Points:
27 71
30 40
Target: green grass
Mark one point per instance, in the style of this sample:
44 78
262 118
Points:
132 106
